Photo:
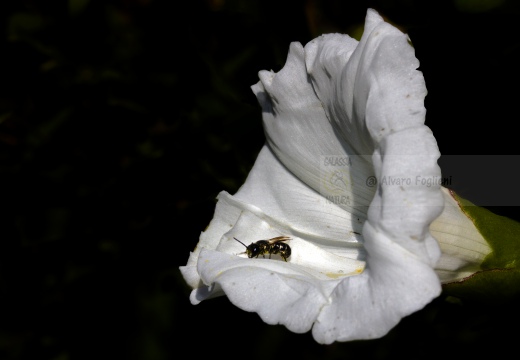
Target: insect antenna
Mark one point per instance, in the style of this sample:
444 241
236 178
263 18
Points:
240 242
245 252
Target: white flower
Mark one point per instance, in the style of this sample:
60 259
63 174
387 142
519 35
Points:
340 114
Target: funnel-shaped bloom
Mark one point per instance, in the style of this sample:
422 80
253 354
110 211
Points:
349 172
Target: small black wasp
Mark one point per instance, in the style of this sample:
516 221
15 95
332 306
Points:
270 246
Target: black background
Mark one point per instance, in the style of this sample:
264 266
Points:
120 122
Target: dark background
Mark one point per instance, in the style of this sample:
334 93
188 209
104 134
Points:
120 122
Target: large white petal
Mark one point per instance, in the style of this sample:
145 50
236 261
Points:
369 305
278 292
275 190
376 94
300 134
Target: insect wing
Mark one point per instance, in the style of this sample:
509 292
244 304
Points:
278 239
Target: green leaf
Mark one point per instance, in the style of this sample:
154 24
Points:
499 279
